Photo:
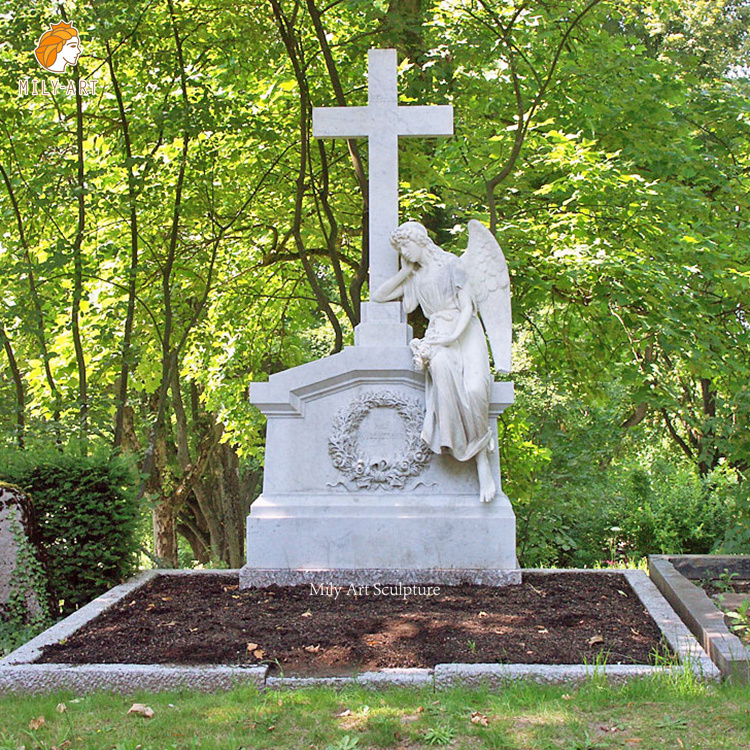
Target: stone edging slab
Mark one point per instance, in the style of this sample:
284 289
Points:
18 673
125 678
700 614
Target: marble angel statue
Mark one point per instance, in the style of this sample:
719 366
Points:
451 290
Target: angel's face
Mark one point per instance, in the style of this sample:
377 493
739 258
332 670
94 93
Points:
411 251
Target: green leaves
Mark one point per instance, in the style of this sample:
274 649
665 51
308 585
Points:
622 213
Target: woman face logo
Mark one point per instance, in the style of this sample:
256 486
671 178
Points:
71 50
58 47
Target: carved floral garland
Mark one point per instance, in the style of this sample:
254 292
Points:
343 444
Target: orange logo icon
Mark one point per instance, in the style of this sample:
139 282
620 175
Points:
58 47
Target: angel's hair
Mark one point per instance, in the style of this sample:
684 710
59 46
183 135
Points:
414 231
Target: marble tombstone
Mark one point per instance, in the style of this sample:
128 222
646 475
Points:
381 461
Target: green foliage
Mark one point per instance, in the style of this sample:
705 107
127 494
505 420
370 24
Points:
25 614
606 142
596 493
87 515
724 582
661 509
345 743
737 538
672 510
740 618
441 734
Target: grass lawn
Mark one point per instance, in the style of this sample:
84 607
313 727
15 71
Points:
650 714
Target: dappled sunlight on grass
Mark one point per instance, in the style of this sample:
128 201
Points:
650 714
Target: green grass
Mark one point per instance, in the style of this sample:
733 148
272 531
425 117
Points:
650 714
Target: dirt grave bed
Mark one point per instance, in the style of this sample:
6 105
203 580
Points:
566 618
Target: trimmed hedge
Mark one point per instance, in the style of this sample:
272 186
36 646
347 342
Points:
87 514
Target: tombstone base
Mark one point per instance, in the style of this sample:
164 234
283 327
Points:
350 487
420 539
260 578
17 531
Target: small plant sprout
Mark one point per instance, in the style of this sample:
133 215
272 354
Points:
585 742
345 743
472 646
724 582
741 619
669 722
439 735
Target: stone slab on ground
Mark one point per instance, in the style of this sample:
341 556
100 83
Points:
18 673
696 567
699 613
261 578
729 601
16 525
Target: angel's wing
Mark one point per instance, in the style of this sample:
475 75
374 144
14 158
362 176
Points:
485 267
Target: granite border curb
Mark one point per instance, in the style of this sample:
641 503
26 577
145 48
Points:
497 675
385 678
675 632
702 617
125 678
19 674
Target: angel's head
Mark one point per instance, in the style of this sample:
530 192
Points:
413 244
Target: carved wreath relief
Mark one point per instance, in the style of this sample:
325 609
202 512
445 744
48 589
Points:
369 471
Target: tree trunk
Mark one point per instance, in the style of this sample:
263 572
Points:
83 398
122 383
215 518
18 383
165 534
38 314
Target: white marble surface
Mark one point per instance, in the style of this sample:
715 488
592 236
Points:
348 483
312 516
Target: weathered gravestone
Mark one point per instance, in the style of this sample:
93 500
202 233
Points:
20 598
377 457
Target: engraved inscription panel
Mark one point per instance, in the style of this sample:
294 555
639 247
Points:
382 434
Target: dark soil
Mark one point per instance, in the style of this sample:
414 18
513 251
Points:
565 618
717 586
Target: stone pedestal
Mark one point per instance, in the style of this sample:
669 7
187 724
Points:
350 492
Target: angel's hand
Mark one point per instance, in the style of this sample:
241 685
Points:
407 268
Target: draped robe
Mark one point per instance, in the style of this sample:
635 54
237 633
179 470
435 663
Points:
458 378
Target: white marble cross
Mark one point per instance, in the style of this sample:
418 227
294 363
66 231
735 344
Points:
382 121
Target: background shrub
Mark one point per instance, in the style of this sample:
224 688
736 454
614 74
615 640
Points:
87 515
587 492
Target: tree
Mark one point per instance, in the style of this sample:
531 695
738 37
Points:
179 234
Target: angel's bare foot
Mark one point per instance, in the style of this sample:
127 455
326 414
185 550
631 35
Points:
487 489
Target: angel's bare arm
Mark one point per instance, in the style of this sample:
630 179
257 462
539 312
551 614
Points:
391 290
